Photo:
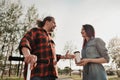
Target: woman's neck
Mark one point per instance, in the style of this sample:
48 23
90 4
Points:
87 38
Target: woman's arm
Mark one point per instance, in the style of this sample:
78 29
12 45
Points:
97 60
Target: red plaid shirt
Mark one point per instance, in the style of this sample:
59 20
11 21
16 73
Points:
37 41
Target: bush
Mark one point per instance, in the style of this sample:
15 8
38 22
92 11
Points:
118 73
110 72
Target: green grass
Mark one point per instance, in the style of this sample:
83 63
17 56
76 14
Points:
74 77
113 78
77 77
12 78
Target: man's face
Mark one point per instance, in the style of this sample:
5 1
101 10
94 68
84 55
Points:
52 25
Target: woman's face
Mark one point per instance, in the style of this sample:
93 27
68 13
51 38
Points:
83 33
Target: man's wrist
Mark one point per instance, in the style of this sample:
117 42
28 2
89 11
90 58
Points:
26 55
63 56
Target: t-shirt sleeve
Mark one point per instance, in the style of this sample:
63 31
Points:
100 45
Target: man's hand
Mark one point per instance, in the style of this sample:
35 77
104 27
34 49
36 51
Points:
69 56
31 59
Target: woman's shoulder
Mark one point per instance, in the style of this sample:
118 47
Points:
99 40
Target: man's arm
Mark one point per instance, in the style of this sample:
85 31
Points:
29 58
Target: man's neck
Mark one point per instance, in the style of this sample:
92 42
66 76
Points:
45 28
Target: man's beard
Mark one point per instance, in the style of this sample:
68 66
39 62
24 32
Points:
51 30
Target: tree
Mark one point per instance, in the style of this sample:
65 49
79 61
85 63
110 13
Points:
29 22
13 24
60 71
71 47
9 18
67 70
114 51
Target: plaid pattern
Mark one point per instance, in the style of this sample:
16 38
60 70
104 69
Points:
38 42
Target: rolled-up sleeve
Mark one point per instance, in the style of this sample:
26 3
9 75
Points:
26 41
100 44
58 57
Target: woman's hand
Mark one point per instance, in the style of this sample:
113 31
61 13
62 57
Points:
83 62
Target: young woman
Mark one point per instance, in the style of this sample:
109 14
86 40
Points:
94 53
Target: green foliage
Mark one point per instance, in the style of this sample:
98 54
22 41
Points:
30 18
66 70
114 51
13 24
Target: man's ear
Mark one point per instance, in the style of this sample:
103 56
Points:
47 22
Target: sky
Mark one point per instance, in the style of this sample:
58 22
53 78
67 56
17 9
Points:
70 15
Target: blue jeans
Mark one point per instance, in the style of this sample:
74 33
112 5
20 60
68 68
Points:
43 78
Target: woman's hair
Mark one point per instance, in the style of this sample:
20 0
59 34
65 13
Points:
90 32
42 23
